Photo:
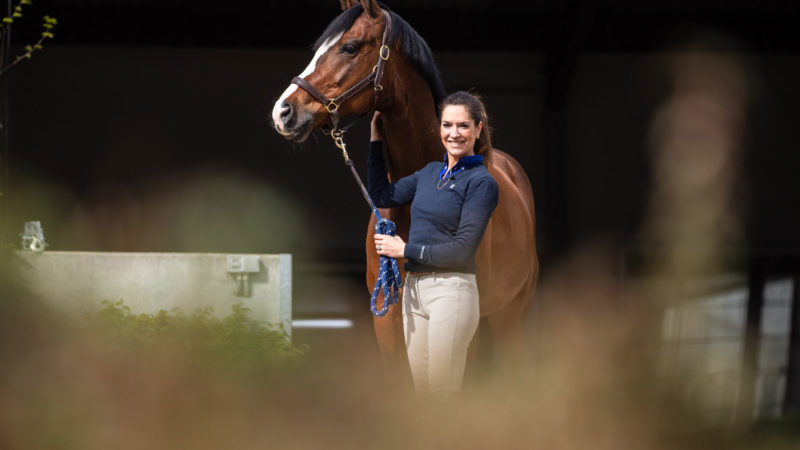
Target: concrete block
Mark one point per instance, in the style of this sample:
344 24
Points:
77 282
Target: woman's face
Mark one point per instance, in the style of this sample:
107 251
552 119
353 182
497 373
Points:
458 132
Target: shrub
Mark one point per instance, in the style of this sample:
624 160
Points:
236 341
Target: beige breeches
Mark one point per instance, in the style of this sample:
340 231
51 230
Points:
440 316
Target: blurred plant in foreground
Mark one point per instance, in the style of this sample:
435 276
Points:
236 341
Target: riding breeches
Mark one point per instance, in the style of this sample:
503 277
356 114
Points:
440 317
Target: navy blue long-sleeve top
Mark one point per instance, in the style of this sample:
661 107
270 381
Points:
449 211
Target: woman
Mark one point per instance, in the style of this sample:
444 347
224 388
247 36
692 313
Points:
451 204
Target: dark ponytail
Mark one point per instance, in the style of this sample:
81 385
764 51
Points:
474 106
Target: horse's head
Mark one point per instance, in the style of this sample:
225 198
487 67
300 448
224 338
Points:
346 55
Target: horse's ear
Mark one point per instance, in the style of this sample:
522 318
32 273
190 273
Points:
347 4
371 7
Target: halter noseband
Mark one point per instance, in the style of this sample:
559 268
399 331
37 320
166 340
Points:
374 77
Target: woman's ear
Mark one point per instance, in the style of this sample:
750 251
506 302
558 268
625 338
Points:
480 127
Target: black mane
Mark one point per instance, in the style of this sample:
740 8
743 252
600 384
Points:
412 46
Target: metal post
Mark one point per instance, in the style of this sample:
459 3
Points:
791 401
752 343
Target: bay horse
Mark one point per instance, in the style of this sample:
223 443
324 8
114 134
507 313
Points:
343 79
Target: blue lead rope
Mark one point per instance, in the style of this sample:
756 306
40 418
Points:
389 275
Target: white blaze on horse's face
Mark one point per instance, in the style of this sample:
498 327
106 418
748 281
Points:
281 106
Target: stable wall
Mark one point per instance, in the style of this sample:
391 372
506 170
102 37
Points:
107 144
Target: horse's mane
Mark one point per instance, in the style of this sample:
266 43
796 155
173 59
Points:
412 46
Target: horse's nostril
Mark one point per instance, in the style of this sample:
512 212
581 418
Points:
286 112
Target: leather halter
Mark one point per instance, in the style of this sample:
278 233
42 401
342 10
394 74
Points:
374 78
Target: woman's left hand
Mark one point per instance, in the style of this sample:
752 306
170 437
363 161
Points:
391 246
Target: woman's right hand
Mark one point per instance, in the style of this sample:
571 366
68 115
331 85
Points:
376 128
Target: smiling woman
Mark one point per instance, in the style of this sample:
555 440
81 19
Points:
448 219
462 126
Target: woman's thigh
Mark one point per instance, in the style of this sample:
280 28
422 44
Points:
453 309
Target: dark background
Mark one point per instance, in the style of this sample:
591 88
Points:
133 101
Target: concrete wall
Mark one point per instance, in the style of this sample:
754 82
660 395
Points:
78 282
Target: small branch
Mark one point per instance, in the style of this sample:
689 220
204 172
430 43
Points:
48 25
29 49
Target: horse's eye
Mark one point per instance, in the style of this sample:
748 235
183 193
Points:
348 49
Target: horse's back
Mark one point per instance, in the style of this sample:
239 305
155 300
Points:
507 262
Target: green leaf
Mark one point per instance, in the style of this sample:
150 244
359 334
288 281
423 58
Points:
48 26
26 2
47 34
8 20
28 48
16 14
37 47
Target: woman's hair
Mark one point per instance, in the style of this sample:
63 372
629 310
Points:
474 106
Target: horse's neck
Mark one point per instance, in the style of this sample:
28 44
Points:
410 126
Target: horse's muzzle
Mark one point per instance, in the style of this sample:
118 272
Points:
294 127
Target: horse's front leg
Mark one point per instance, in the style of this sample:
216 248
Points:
389 332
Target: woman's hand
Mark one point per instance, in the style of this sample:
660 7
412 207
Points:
391 246
376 128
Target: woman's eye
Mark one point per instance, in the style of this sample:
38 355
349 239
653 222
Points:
348 49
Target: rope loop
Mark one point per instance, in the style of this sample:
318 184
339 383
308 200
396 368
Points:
389 279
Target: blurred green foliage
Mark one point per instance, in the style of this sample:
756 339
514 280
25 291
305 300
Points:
236 341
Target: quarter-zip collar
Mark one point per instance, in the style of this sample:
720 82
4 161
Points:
465 162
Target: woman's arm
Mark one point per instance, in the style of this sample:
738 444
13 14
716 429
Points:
383 193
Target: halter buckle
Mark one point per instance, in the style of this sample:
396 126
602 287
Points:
331 106
384 52
378 87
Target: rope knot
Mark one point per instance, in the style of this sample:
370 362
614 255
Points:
385 226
